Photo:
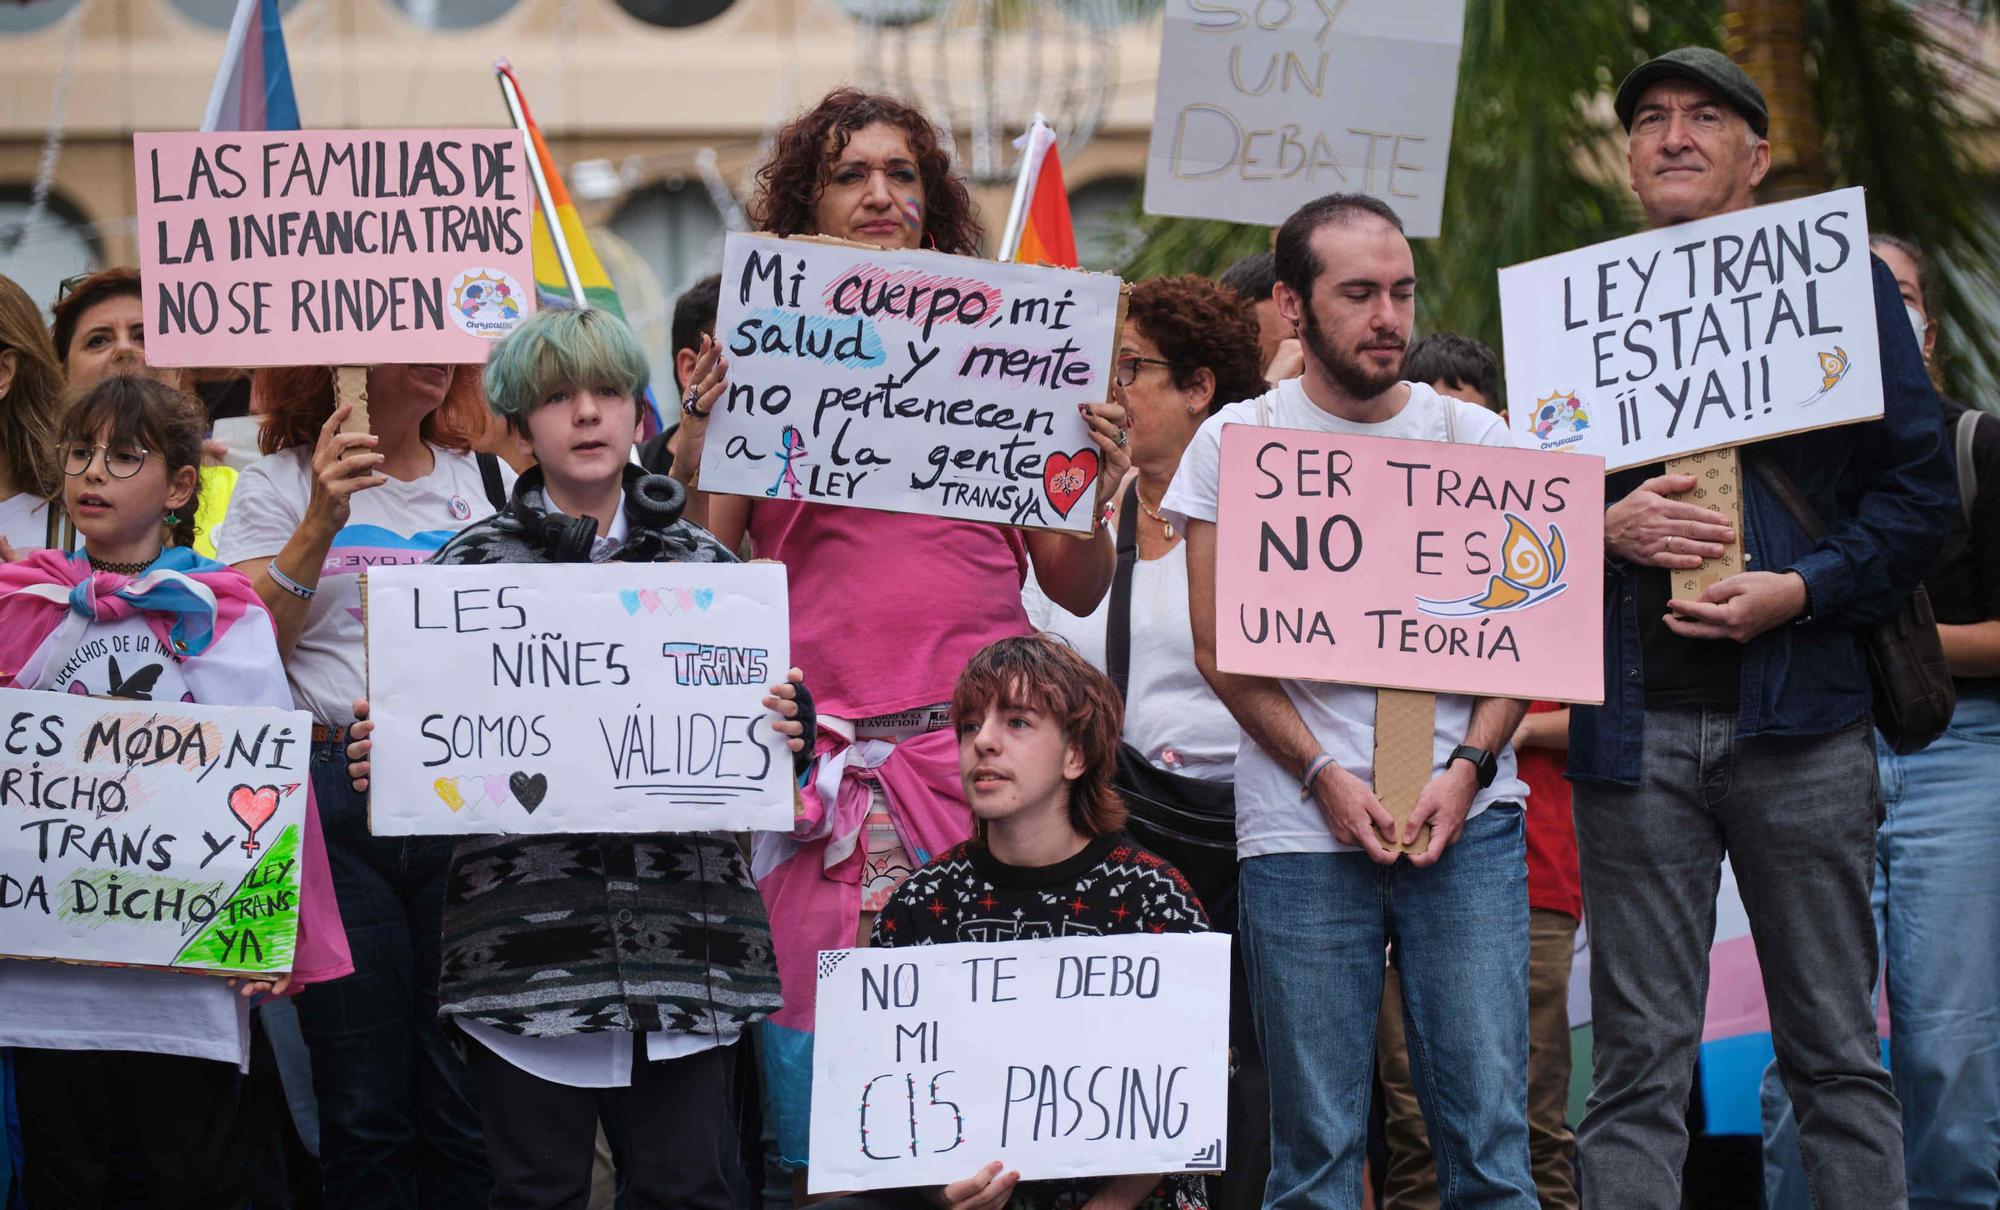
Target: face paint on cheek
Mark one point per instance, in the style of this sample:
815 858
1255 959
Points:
913 213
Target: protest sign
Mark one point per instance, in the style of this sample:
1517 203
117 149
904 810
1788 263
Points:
1410 564
1264 105
346 247
1078 1056
1694 337
910 381
565 697
151 833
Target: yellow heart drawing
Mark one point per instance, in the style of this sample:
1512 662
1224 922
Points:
447 789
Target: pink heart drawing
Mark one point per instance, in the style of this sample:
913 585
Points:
253 807
685 597
650 600
496 788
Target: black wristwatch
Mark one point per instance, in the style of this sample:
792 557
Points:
1484 764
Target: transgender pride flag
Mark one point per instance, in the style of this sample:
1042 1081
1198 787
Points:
253 84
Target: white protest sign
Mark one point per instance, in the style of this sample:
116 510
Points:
1709 334
151 834
1080 1056
910 381
567 697
1264 105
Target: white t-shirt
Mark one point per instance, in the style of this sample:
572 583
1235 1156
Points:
397 522
61 1006
1271 817
1170 712
24 521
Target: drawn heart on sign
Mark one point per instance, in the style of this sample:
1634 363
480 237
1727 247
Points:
684 599
704 597
1065 477
253 807
447 789
650 599
630 600
529 791
496 789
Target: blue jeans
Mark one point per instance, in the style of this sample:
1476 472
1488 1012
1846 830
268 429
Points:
398 1126
1796 816
1937 911
1314 926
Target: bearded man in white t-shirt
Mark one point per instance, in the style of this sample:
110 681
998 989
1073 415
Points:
1321 895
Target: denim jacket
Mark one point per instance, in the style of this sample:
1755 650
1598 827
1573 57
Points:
1890 484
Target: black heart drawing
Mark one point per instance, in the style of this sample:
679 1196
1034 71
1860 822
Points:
529 791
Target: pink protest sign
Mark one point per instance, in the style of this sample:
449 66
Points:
332 247
1410 564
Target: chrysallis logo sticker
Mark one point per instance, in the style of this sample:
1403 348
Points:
486 302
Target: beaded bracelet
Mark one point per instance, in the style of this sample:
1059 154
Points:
288 584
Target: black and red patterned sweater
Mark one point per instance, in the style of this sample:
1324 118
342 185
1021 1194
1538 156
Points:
1111 886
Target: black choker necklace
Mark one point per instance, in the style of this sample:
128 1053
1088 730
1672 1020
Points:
120 569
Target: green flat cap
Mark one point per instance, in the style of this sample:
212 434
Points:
1704 66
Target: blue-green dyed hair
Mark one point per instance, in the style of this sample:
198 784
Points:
561 347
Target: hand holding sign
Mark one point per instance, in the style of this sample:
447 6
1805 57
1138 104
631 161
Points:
913 382
1651 527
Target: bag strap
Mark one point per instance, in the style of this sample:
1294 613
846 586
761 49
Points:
1450 420
1789 495
1118 618
489 474
1968 471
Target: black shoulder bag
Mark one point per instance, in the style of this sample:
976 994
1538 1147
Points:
1914 694
1187 820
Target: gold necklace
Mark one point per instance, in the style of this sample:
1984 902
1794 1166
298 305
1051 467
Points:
1165 524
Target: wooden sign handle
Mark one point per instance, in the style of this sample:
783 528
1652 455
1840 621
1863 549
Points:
350 385
1718 484
1405 721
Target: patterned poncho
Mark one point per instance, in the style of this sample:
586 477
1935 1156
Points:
548 936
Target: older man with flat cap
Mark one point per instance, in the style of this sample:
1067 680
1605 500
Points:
1739 724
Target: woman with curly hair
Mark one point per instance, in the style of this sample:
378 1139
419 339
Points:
397 1122
1189 347
884 796
31 387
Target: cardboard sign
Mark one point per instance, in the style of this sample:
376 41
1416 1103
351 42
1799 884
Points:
564 697
1264 106
151 833
1410 564
1079 1056
910 381
332 247
1721 332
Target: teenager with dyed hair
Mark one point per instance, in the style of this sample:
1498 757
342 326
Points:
137 614
599 977
1037 731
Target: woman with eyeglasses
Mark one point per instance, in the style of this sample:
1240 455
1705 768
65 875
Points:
99 330
137 614
1189 347
31 387
398 1126
886 607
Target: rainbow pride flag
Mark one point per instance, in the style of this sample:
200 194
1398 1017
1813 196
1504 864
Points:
551 284
1042 232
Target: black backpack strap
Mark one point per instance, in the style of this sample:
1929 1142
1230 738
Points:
1118 618
496 488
